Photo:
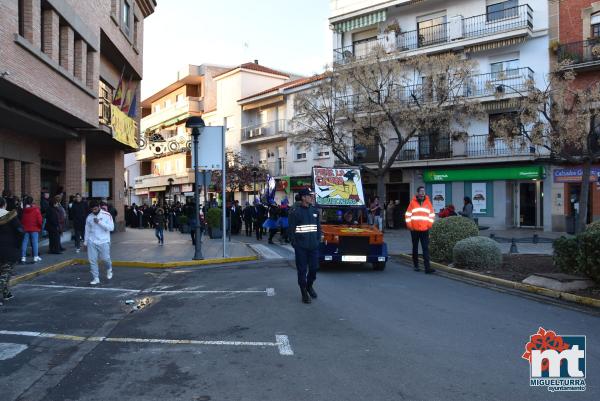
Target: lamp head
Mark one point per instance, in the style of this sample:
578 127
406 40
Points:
195 122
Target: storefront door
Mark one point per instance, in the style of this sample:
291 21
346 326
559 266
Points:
527 204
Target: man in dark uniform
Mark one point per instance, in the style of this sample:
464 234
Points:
305 233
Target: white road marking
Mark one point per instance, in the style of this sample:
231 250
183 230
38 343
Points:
269 291
265 251
289 248
9 350
282 341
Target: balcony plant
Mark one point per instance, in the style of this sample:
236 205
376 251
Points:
554 46
393 27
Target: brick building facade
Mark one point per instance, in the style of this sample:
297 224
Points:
60 63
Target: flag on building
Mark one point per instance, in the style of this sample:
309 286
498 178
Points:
127 99
133 105
118 98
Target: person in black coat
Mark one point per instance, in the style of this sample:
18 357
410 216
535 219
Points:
54 225
247 213
78 214
258 218
11 237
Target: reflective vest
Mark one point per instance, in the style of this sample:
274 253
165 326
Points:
419 216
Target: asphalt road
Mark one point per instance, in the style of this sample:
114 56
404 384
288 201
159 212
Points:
391 335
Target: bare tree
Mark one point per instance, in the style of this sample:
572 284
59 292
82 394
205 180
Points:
562 119
380 103
239 174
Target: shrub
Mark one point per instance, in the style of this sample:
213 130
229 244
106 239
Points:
446 232
588 257
214 217
477 253
183 220
566 251
595 227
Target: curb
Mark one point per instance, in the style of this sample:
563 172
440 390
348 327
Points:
120 263
586 301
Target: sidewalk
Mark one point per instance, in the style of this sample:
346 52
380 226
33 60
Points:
399 240
142 246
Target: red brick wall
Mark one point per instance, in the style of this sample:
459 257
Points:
570 22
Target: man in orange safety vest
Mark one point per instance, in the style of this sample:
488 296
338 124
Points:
419 219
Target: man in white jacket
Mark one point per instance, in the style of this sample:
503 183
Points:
98 226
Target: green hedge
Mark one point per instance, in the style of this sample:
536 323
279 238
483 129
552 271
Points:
565 254
446 232
477 253
595 227
588 259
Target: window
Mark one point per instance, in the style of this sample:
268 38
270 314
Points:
179 166
135 31
126 16
156 169
501 10
322 151
167 103
432 29
167 168
156 108
262 157
105 95
179 98
301 154
504 69
595 29
22 17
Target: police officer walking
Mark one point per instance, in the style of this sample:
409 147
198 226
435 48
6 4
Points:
305 234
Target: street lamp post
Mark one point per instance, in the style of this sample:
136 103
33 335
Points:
129 192
196 124
254 174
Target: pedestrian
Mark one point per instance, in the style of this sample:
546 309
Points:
467 210
32 226
270 223
283 222
62 218
54 225
419 220
11 233
44 206
236 218
305 232
11 202
98 226
77 214
376 213
389 215
247 213
159 225
258 215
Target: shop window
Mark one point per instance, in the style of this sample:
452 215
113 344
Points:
497 10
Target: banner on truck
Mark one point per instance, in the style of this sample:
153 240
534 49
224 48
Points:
338 187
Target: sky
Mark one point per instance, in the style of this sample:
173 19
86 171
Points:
288 35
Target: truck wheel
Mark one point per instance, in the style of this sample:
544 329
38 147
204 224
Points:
379 266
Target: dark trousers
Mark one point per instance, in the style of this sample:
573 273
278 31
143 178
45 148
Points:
307 264
272 232
248 226
54 238
78 234
258 229
422 236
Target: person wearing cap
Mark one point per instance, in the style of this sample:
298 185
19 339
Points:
305 234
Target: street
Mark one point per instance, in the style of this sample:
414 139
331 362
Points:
391 335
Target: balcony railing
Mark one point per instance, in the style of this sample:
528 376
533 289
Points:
104 111
506 83
276 168
585 52
265 130
457 28
480 146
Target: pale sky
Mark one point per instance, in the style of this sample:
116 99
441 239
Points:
291 35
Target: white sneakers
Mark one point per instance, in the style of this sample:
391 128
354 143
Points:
95 281
23 259
77 250
109 274
37 259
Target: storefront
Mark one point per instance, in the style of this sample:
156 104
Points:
567 182
502 196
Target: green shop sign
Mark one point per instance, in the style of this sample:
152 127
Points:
485 174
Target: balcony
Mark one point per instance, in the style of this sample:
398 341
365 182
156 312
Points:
480 146
582 55
170 115
265 132
116 123
276 169
457 31
507 83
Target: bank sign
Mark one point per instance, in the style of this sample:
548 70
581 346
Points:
485 174
574 174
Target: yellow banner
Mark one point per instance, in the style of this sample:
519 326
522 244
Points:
123 127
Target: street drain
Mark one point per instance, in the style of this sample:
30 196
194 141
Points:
138 304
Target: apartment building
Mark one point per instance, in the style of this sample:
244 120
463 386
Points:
267 137
508 40
575 37
161 171
60 63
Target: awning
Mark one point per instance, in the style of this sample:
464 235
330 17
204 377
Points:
260 103
141 192
494 45
360 22
157 189
485 174
169 122
504 104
